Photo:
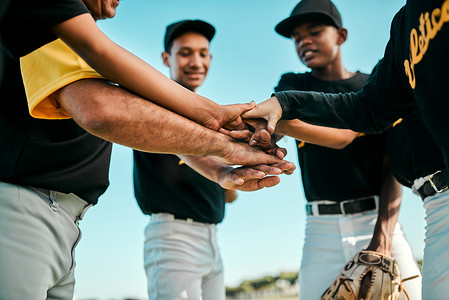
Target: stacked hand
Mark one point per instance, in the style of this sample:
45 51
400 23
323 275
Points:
253 178
256 126
252 144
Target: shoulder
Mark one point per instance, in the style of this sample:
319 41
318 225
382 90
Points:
292 81
294 76
361 76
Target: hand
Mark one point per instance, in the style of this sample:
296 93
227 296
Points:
254 178
257 135
270 110
240 153
229 117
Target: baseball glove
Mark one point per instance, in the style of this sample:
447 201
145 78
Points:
369 275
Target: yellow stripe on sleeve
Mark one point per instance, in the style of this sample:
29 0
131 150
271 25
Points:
46 70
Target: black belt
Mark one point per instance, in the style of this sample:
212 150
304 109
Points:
435 184
346 207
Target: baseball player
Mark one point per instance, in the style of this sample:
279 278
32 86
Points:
182 257
410 76
345 180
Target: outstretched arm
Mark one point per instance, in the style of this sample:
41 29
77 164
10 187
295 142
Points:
318 135
117 115
116 64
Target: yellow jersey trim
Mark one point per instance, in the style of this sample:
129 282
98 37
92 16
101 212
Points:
48 69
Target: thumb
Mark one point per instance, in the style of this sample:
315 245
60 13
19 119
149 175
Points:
243 108
271 123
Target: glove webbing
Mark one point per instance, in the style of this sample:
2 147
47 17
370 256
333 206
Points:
401 286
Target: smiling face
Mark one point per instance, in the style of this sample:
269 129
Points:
102 9
188 59
317 44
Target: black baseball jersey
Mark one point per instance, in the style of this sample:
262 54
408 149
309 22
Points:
329 174
26 23
50 154
164 184
412 151
413 73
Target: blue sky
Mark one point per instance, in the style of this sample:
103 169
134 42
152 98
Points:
263 231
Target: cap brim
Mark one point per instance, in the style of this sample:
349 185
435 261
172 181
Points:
285 27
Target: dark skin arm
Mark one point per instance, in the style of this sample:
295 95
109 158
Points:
389 203
116 64
119 116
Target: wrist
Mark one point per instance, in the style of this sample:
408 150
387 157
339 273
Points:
206 114
219 145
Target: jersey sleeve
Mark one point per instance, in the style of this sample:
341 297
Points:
382 100
46 70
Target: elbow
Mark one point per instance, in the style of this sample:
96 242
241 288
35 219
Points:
343 144
344 141
93 119
339 146
87 103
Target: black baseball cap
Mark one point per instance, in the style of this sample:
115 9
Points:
310 10
178 28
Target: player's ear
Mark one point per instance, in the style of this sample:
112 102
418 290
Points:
342 35
165 55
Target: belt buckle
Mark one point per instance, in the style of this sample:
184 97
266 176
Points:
433 184
342 206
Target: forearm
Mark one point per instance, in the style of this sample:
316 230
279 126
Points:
389 204
318 135
119 116
382 101
333 110
120 66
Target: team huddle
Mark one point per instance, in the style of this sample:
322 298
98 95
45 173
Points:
362 136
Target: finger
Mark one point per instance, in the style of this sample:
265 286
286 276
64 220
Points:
255 138
224 131
239 134
288 172
249 173
257 184
234 112
235 179
286 167
245 107
268 170
272 121
265 140
281 152
269 181
260 137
